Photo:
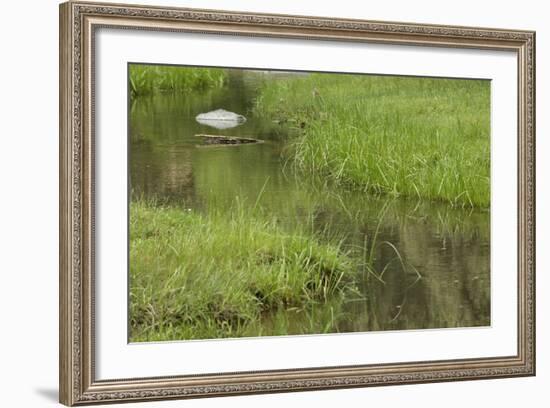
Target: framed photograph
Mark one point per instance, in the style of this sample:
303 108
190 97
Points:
256 203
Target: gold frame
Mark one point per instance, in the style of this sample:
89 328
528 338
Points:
78 21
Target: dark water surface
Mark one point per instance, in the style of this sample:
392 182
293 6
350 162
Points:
448 247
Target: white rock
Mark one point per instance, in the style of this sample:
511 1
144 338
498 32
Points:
220 119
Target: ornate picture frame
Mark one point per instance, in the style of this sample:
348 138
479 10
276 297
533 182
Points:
79 22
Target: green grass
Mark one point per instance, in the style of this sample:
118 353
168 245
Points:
410 137
150 79
214 275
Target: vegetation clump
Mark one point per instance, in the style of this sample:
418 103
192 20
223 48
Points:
211 276
415 137
151 79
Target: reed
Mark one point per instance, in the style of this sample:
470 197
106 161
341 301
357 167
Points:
151 79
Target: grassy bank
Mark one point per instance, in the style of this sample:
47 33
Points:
149 79
426 138
215 275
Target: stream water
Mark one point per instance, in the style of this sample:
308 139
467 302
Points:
448 247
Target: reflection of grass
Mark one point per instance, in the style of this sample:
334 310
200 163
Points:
148 79
392 135
212 276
